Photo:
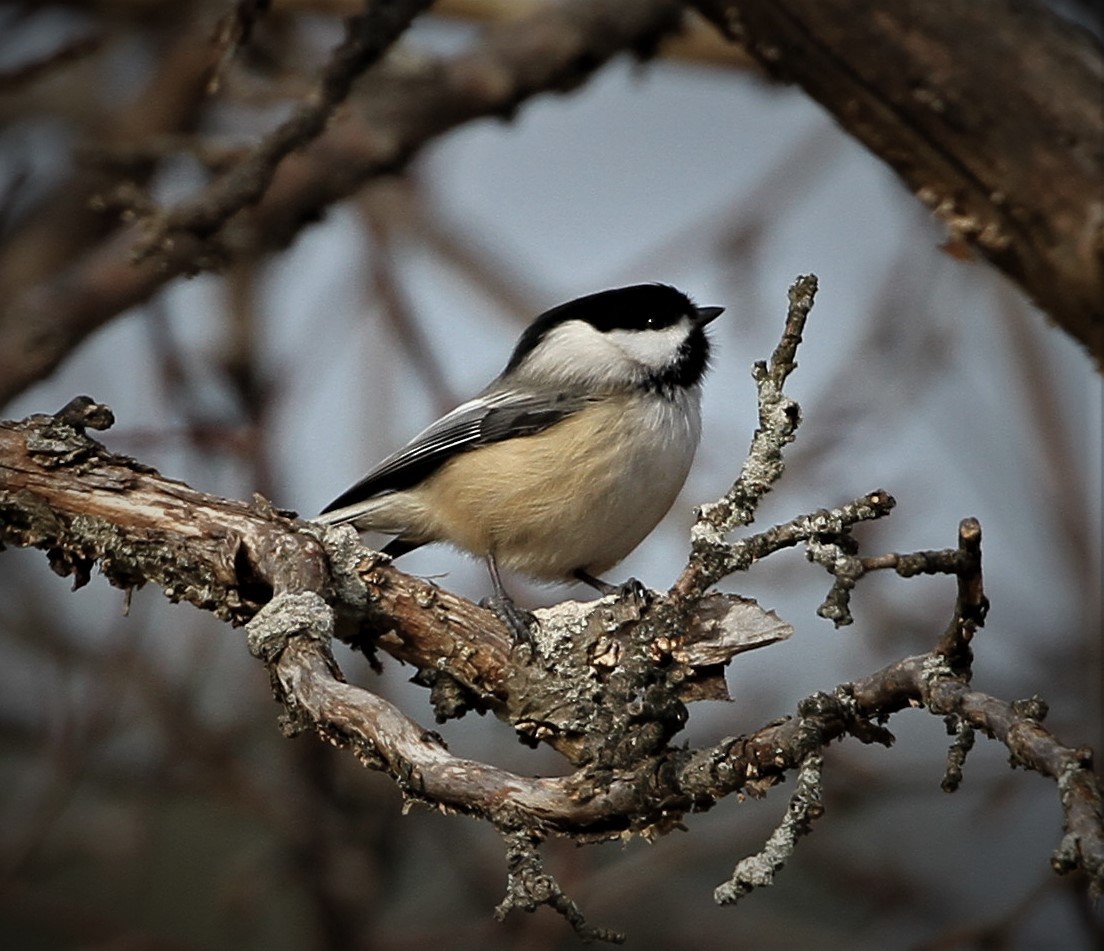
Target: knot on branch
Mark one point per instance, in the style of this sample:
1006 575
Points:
824 717
82 412
301 614
609 683
604 684
60 440
1033 708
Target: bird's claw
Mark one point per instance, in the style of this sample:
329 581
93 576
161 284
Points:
520 622
631 590
635 590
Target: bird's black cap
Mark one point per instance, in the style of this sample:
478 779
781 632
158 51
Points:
638 307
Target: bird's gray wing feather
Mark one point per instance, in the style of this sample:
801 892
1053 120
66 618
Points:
487 419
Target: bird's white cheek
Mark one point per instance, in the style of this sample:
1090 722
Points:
576 353
655 349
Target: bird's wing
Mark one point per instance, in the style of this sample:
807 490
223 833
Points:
486 419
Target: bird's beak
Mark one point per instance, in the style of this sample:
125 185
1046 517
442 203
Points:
707 315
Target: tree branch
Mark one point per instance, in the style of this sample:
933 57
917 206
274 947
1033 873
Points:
367 37
607 688
394 116
988 110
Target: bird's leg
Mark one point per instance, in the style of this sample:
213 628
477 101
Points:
519 621
630 589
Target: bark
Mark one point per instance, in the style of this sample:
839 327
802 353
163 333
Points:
605 683
988 110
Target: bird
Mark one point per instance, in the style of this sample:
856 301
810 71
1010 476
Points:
567 460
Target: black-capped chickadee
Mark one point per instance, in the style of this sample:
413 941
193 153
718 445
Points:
569 459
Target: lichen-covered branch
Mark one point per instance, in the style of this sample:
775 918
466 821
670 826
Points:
711 556
609 686
927 680
528 887
757 871
62 491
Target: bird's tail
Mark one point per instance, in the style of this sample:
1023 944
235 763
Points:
366 515
377 514
390 514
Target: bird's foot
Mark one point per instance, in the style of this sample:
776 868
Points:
631 590
520 622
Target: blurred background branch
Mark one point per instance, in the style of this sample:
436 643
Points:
388 264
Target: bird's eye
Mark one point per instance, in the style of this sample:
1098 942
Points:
651 322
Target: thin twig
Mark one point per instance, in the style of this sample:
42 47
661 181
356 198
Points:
367 38
779 417
758 871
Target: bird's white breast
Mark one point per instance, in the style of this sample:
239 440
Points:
581 494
